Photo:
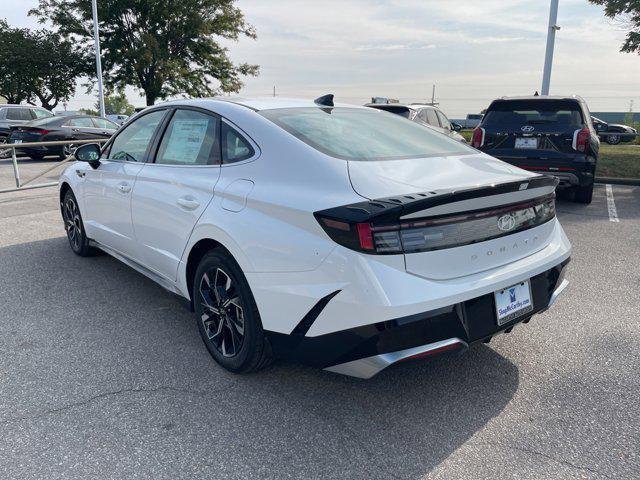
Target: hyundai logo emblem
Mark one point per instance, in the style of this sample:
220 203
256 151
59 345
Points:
528 128
506 223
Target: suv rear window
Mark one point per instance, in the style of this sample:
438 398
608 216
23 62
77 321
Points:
533 112
363 134
19 114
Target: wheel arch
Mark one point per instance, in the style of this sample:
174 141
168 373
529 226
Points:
64 188
199 246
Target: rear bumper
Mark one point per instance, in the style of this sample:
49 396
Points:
366 350
574 170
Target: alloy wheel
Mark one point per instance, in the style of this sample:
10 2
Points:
72 223
69 150
223 314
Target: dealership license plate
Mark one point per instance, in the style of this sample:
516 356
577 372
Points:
526 142
513 302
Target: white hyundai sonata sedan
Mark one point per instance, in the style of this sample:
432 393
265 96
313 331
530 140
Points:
338 236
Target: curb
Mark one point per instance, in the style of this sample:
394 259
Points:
618 181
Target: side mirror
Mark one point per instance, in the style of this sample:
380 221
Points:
89 153
456 126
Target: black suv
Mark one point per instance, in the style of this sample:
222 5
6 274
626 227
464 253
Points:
551 135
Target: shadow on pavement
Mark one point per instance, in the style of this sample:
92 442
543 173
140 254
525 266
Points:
104 374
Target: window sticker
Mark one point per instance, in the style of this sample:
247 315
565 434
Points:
185 142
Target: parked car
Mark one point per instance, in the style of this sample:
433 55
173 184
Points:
15 115
426 115
119 119
614 133
52 129
473 120
339 236
552 135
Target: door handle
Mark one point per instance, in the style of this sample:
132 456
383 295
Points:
188 203
124 187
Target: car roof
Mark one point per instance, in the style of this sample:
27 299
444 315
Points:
258 103
543 97
16 105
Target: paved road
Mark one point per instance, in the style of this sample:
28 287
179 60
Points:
103 375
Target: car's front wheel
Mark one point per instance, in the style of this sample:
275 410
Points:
74 226
227 315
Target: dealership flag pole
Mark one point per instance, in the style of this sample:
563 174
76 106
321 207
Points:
96 38
551 40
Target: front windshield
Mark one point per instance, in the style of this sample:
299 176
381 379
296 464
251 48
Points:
363 134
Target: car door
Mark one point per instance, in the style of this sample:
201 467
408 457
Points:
104 128
108 188
173 190
81 128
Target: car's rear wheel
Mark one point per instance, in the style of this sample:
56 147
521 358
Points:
227 315
584 194
613 139
74 226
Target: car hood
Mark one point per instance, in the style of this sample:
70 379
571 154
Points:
385 178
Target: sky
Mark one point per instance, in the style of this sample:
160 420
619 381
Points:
473 51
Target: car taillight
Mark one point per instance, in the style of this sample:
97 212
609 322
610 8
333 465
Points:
581 140
478 137
427 234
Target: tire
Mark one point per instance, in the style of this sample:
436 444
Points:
584 194
235 338
67 151
613 139
74 226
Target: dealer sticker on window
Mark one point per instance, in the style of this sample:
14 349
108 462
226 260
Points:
513 302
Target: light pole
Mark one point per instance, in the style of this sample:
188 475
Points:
96 38
551 40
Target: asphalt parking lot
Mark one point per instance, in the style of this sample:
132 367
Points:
103 375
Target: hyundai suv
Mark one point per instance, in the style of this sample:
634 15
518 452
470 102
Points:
551 135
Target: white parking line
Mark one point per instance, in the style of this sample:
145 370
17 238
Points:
611 205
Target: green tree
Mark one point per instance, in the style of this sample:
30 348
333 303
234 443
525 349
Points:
39 65
627 13
116 103
15 70
164 47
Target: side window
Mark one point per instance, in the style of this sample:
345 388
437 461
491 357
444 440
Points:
104 123
19 114
191 138
42 113
235 147
422 115
81 122
444 121
432 118
132 142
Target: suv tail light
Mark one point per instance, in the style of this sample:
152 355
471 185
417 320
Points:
581 140
435 233
478 137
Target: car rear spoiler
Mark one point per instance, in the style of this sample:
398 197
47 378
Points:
390 209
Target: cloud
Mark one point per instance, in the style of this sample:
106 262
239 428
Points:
394 47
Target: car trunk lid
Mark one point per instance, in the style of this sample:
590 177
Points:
446 212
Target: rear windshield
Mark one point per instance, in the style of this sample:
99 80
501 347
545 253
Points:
47 121
533 112
363 134
402 111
